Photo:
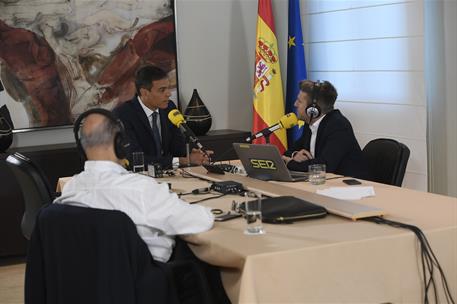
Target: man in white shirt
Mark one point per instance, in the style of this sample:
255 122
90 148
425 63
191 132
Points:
158 214
328 137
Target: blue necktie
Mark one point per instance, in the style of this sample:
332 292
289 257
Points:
156 133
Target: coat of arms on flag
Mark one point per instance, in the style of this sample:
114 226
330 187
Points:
268 93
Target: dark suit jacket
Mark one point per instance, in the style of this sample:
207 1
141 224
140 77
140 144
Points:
88 255
140 135
336 147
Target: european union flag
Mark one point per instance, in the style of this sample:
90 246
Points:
296 68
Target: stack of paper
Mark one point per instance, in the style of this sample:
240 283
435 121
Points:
348 193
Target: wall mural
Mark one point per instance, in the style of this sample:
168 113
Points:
59 58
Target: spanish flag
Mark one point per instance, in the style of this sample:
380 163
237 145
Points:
268 94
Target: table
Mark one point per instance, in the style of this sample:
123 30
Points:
331 259
335 259
63 160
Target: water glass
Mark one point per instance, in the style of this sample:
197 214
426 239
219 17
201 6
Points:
137 162
253 216
316 174
151 170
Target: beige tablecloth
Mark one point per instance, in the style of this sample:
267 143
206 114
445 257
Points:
335 259
331 259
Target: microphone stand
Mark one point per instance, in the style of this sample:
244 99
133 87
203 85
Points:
188 153
193 140
189 141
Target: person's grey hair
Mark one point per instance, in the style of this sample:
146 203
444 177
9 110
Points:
102 135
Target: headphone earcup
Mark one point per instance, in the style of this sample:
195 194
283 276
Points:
81 151
120 139
119 146
313 111
79 146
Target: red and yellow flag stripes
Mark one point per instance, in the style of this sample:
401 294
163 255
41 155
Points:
268 94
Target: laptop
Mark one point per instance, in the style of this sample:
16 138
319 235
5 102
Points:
265 163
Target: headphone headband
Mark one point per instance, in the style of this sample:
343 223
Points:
120 143
313 110
317 85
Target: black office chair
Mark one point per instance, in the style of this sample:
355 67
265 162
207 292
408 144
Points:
386 160
34 186
89 255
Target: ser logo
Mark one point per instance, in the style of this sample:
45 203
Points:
262 164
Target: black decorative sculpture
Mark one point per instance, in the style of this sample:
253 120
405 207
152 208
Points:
197 115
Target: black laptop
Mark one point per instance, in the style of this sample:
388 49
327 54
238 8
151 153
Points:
264 162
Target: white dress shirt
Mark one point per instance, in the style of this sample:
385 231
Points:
157 213
148 112
314 127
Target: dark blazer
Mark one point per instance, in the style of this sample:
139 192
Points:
88 255
336 147
140 135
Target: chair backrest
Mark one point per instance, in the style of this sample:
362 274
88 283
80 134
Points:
386 160
88 255
34 186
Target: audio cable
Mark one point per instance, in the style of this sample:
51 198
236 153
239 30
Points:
428 260
206 190
208 198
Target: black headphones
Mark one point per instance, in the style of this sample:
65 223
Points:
313 110
120 139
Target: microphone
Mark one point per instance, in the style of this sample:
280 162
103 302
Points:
178 120
287 121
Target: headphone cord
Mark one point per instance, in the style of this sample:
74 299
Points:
208 198
428 260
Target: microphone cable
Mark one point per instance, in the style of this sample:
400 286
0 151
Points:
197 191
428 260
224 167
208 198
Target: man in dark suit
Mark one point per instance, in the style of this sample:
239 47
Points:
328 137
146 123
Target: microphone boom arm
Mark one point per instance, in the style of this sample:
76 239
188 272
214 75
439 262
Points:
264 133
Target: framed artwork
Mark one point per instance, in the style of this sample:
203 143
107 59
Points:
60 58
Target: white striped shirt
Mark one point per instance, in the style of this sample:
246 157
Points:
314 127
157 213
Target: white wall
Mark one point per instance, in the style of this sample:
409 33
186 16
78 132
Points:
373 52
216 56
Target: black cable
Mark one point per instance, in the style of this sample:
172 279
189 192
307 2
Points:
197 191
186 174
207 199
185 193
428 260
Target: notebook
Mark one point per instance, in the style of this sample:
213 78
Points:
265 163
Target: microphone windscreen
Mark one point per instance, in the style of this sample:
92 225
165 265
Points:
289 120
176 117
